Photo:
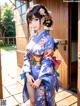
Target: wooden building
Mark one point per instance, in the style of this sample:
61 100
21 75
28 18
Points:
66 29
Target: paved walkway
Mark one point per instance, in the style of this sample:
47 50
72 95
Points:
12 85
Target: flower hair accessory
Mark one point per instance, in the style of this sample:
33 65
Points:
42 11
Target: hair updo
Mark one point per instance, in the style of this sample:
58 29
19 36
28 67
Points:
40 12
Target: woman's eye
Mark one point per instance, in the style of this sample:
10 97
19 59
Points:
36 19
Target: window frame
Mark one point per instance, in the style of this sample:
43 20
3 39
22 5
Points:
22 14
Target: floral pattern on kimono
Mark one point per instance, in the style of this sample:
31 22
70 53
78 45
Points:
42 44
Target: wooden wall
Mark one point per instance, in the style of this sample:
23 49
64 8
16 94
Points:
78 54
21 37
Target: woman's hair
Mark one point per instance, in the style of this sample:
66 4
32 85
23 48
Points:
40 12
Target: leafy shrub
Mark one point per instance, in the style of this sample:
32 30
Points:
1 43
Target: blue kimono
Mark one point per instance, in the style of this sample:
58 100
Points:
41 46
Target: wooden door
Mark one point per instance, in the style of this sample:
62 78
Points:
60 32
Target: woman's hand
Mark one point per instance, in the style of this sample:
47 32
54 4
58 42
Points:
30 79
37 83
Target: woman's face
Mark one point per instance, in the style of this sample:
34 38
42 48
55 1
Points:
35 24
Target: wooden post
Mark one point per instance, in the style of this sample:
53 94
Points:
8 40
1 91
78 54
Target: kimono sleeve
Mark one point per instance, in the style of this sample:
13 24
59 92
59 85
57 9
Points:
46 64
26 66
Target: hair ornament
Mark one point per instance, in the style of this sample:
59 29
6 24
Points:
42 11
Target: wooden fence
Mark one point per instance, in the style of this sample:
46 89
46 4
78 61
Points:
9 40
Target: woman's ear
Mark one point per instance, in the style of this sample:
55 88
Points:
41 22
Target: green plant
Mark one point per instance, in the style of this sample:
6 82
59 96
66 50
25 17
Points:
8 48
7 25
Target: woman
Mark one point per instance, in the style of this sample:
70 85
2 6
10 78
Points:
38 72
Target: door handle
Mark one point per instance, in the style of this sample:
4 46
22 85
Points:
64 43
